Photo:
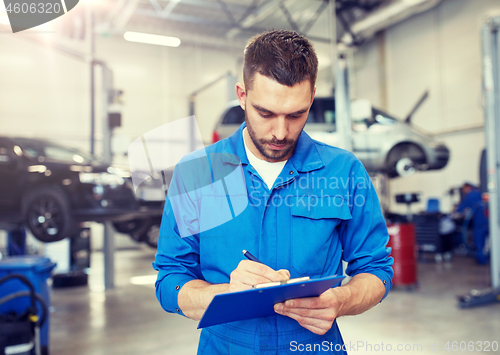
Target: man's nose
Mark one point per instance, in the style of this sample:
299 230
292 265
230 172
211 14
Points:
280 129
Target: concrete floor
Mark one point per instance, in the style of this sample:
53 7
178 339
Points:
129 320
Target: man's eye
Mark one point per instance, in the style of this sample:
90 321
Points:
265 115
295 116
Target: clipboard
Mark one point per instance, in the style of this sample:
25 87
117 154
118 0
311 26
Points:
259 302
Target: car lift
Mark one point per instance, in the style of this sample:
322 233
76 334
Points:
490 38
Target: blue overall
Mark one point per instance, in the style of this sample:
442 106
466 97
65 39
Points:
480 225
322 209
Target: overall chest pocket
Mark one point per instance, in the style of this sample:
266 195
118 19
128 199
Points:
314 231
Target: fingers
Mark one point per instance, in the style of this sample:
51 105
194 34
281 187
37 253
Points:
262 273
249 273
326 314
285 274
326 300
308 303
235 286
318 321
316 314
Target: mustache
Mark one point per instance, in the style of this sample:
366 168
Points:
277 142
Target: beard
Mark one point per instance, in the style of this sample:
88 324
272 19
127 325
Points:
268 153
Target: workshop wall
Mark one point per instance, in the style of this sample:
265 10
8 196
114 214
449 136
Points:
437 50
157 82
44 93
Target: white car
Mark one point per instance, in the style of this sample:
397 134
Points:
382 142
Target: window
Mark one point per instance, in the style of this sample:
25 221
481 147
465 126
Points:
5 153
37 148
382 117
329 117
4 156
62 154
7 156
322 111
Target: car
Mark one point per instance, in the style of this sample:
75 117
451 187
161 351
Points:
151 193
50 188
382 142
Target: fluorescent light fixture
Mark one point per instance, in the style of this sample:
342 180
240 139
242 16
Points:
152 39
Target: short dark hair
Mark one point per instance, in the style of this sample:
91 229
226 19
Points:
285 56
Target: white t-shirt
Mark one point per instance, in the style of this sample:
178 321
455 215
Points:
269 172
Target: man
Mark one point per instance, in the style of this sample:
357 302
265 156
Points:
310 206
472 202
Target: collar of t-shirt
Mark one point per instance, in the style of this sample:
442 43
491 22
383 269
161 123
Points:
269 172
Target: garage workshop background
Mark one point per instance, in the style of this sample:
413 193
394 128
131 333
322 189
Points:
425 45
46 93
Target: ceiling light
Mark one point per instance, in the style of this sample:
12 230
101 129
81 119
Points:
152 39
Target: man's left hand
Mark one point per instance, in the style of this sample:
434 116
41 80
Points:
316 314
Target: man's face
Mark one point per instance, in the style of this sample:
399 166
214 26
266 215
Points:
275 115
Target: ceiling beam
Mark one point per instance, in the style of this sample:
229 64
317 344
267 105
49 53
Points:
193 39
119 5
388 15
316 16
228 12
265 9
170 7
164 12
204 4
247 32
121 20
288 16
181 18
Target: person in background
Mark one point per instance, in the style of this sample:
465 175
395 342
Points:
472 203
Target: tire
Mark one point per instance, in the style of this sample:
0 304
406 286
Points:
151 232
405 167
404 159
71 279
47 213
128 227
138 235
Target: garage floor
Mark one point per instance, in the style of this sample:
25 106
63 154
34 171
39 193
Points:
129 320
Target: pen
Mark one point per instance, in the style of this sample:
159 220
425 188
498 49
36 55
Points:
249 256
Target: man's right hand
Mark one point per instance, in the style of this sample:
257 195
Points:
249 273
195 296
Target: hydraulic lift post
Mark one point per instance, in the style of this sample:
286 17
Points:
491 91
490 43
109 243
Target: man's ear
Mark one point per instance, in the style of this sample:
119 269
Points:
241 94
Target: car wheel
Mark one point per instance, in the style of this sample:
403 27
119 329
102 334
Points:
405 167
143 225
404 159
152 233
48 214
128 227
138 235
